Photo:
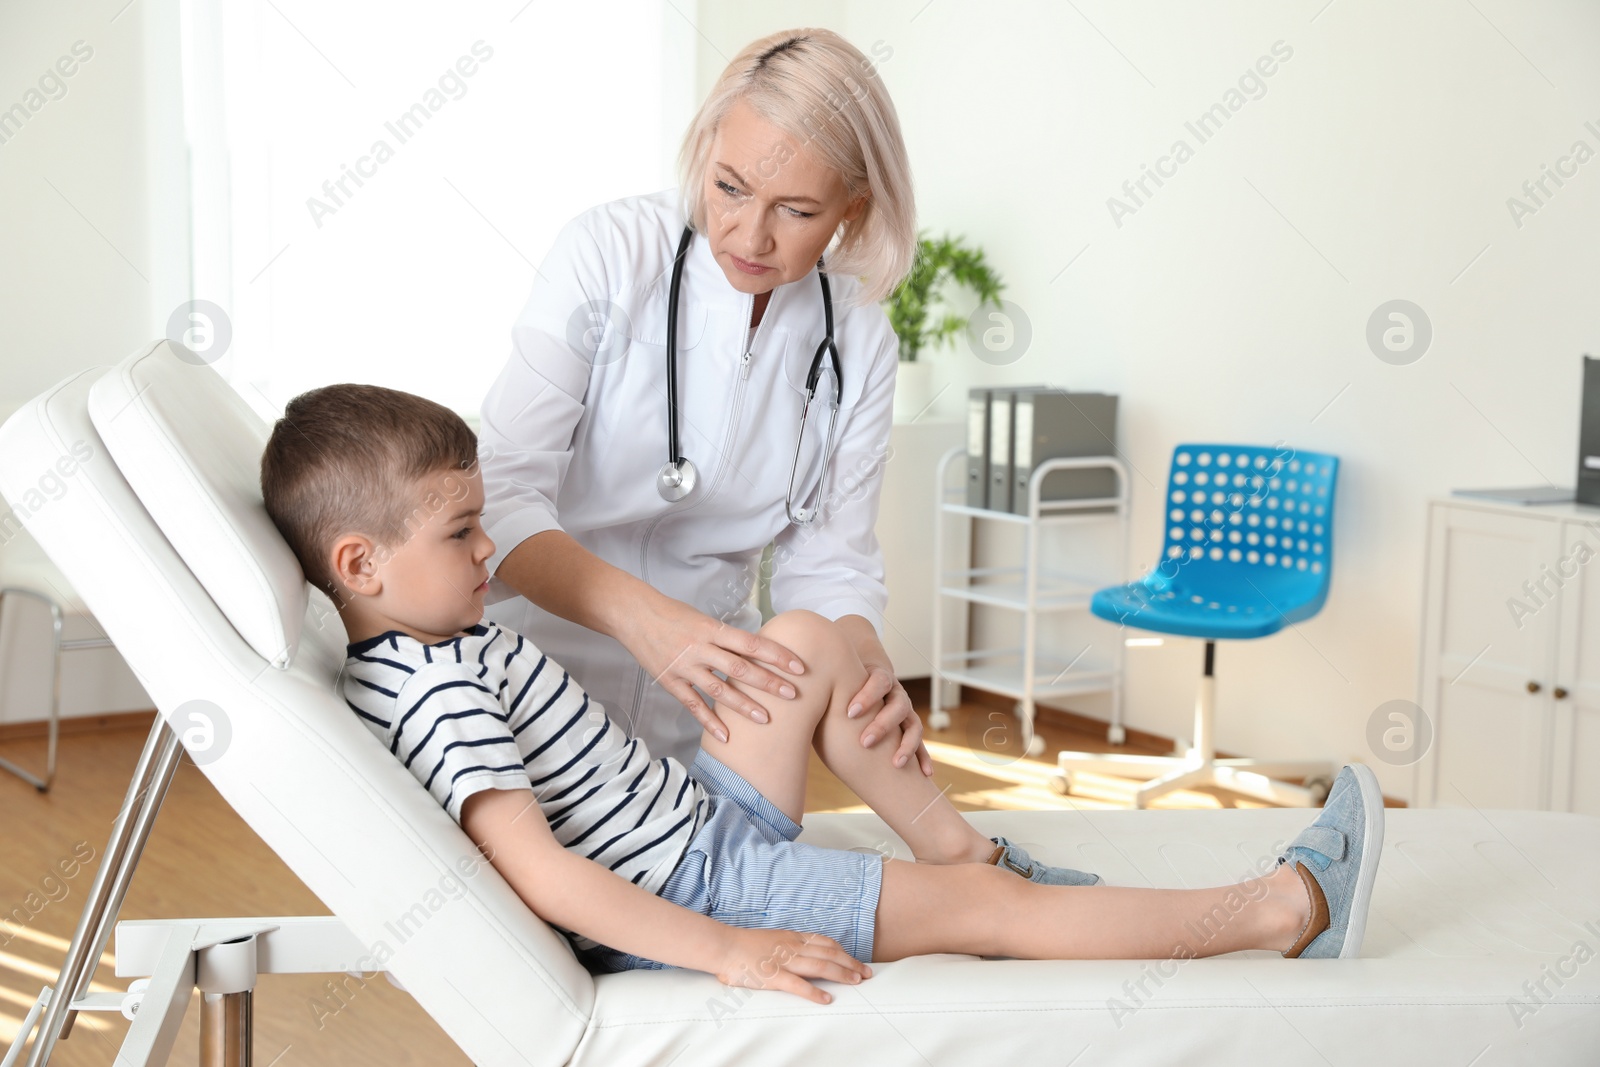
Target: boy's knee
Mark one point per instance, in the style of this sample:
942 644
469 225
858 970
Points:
820 643
993 895
800 629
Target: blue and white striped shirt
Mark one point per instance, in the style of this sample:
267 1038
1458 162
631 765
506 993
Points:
487 710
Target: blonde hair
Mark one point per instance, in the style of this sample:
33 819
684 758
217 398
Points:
819 89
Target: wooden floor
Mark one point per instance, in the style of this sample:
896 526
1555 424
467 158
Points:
203 861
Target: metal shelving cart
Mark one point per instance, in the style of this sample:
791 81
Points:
1024 672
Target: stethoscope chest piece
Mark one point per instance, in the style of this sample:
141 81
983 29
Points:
677 479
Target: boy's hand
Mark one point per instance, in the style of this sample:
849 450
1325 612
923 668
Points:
784 959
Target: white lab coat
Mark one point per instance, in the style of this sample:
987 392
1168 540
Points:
576 444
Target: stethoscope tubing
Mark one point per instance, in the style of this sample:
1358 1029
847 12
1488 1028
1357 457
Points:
673 455
677 478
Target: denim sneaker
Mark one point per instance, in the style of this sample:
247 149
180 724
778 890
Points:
1337 857
1014 857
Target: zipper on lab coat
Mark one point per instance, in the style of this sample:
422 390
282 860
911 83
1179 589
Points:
727 442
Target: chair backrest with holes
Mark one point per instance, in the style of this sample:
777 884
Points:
1238 514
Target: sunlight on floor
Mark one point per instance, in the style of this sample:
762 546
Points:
998 781
43 967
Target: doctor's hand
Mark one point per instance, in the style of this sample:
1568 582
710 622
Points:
681 647
883 698
884 693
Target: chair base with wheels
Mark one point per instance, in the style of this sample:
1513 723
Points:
1256 778
1248 550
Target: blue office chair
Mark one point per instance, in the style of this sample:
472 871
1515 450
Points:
1248 550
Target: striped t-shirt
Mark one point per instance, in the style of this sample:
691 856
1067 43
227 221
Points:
487 710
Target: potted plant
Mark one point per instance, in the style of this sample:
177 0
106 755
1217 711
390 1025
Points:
920 317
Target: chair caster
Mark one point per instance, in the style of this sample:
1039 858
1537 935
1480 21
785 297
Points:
1319 786
1116 735
938 719
1035 745
1061 783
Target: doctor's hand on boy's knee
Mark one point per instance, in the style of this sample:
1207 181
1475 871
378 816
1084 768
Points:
784 959
882 702
683 648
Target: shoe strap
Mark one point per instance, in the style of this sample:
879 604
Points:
1008 853
1328 843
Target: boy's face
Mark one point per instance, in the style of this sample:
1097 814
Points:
432 582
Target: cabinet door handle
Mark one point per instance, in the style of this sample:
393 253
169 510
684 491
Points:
1534 687
1559 693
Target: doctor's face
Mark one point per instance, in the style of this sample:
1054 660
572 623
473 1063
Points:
771 205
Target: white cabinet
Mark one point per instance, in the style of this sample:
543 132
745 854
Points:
1510 668
915 451
1575 747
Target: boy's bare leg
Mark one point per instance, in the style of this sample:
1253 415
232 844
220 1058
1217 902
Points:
775 756
947 905
985 911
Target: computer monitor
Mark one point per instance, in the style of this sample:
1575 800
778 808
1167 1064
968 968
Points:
1589 435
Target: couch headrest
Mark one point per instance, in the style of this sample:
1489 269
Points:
191 448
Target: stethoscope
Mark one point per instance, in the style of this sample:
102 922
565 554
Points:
678 476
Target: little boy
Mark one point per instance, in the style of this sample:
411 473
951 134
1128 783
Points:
644 863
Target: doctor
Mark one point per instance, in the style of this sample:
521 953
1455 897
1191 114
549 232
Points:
631 488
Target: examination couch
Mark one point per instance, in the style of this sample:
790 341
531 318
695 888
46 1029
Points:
1478 950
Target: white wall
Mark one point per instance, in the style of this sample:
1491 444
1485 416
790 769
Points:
90 267
94 238
1233 304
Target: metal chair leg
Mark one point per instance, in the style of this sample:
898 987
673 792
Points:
53 729
57 647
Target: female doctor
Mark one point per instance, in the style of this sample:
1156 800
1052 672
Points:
630 489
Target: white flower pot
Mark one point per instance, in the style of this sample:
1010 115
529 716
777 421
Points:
913 388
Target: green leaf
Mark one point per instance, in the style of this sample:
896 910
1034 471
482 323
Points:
938 262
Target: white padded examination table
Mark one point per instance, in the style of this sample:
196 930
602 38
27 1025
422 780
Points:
1479 950
1468 907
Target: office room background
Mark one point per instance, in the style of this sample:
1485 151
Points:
1439 152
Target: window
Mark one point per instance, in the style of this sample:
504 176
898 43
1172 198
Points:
374 186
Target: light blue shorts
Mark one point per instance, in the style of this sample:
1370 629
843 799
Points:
745 868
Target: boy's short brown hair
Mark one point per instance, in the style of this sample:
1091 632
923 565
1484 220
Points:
346 459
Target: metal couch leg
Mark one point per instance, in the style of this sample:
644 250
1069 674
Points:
225 1032
148 788
226 977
